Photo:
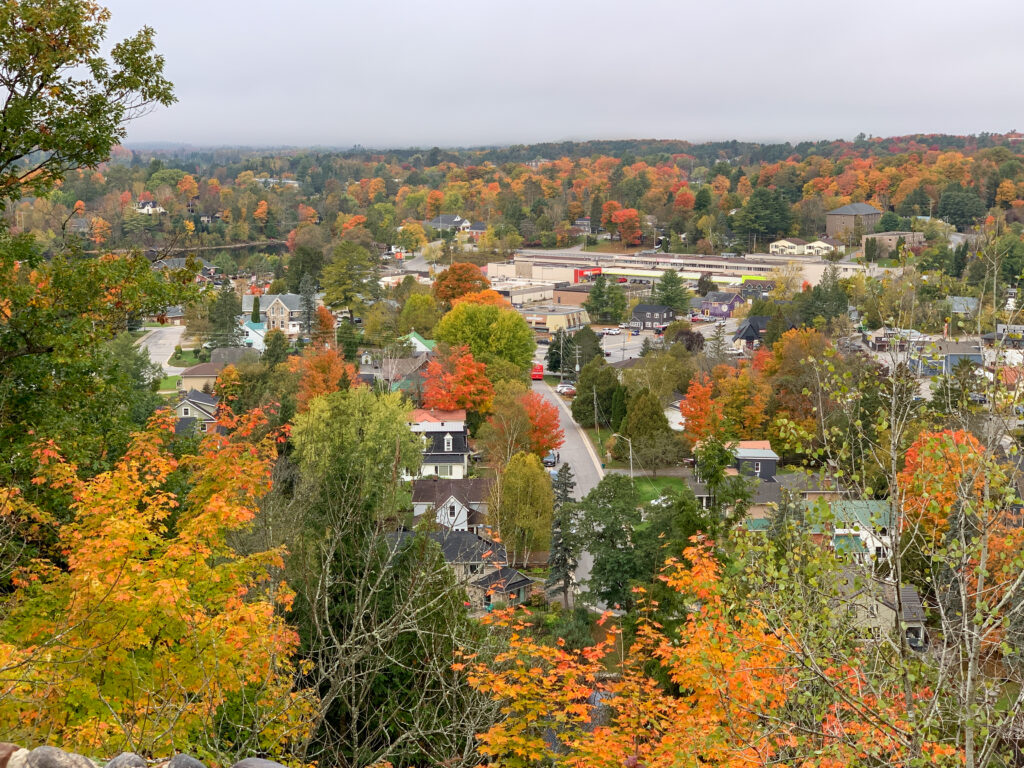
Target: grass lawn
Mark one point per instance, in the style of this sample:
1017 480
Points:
605 433
169 383
188 357
651 488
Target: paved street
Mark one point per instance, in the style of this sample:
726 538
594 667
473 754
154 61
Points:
578 454
161 343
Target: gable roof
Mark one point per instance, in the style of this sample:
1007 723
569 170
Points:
204 369
721 297
853 209
200 398
793 240
457 546
660 308
434 490
428 344
866 514
503 581
423 415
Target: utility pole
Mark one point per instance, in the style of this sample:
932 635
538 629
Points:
596 426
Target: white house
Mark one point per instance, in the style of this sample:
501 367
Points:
790 246
459 505
254 335
823 247
149 208
445 442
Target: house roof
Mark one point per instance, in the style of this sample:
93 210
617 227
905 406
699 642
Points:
721 297
866 514
503 581
186 425
230 355
854 209
423 415
913 609
963 305
292 301
477 226
403 367
434 490
457 546
204 369
428 343
200 398
435 446
752 328
754 449
659 308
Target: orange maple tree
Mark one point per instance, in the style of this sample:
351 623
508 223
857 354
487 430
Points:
320 372
456 380
729 667
157 623
323 334
486 296
699 419
458 280
627 221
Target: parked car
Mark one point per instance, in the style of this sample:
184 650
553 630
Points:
566 389
623 325
551 459
613 332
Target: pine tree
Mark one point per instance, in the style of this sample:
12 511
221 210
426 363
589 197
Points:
670 291
563 486
619 407
255 309
307 302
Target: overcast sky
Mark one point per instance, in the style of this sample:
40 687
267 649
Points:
385 73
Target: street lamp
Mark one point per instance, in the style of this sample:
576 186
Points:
630 452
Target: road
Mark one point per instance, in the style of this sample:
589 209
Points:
161 343
579 454
577 450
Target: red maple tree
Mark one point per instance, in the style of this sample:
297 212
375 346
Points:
456 380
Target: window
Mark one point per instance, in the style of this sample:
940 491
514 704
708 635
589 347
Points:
757 467
444 470
185 411
203 426
451 511
876 633
873 611
648 314
447 443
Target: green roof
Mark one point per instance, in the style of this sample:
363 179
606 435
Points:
758 524
870 514
849 543
428 343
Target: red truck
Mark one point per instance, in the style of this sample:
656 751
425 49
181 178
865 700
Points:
537 374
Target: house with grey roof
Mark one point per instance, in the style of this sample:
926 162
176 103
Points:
458 505
879 608
448 221
195 411
281 311
480 566
963 305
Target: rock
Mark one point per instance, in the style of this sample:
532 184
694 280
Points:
184 761
18 759
127 760
51 757
256 762
6 750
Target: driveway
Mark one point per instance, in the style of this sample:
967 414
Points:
160 342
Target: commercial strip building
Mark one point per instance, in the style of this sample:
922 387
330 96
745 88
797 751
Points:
576 266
